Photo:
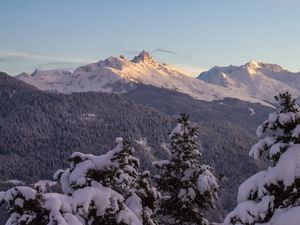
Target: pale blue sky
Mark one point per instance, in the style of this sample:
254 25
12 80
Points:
193 34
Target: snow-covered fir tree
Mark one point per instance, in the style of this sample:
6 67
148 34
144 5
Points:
272 196
119 173
187 187
98 190
149 198
118 169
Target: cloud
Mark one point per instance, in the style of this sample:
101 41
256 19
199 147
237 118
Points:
131 52
57 65
157 51
167 51
8 56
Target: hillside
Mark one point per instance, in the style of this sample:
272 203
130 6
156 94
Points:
241 113
39 130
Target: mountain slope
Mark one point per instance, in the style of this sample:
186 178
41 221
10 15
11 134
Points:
39 130
245 114
119 75
7 83
257 79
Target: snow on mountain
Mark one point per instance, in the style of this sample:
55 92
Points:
119 75
55 80
260 80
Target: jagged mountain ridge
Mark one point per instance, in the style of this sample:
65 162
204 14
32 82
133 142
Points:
119 75
262 80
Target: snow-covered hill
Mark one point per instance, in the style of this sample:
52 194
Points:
119 75
261 80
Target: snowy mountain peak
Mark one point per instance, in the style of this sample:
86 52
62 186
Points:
119 75
272 67
24 75
253 63
143 57
113 62
252 66
35 72
262 80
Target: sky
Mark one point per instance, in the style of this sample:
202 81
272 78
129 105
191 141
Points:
193 34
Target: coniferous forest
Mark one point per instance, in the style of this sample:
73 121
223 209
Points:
154 174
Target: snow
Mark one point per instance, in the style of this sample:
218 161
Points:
144 143
260 80
119 75
252 67
57 202
128 217
287 168
296 131
88 116
284 118
135 205
273 190
69 210
27 192
103 198
252 112
207 181
259 131
14 182
119 140
249 211
43 185
286 216
258 148
251 186
78 174
160 163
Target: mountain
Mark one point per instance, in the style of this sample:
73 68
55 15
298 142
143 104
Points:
241 113
261 80
39 130
8 83
119 75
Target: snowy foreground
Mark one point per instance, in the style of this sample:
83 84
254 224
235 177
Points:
272 196
112 188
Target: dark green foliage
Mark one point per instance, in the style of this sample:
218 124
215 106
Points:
30 207
227 110
279 136
183 201
149 196
39 130
287 102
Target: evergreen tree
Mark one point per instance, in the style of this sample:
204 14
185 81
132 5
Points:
25 206
122 174
97 190
272 196
118 170
188 188
149 197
